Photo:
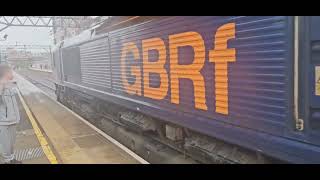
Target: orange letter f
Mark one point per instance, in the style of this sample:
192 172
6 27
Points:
221 55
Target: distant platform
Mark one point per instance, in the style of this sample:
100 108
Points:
43 70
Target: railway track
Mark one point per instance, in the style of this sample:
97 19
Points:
45 84
36 82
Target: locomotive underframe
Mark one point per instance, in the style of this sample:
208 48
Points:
154 139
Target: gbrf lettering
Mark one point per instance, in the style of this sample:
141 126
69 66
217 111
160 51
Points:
221 55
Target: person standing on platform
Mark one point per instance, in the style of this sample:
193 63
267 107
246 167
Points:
9 115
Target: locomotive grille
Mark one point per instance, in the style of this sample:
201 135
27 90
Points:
95 64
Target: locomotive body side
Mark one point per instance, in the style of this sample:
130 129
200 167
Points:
230 78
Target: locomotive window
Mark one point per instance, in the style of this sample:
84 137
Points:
71 64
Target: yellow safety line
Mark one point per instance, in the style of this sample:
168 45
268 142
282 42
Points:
43 142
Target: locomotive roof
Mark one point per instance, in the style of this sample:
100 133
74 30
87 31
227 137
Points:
101 30
84 36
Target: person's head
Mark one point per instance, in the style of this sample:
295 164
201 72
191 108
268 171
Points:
5 73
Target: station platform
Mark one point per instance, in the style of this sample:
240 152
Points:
27 148
52 134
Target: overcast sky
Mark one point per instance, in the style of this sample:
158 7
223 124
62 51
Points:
27 36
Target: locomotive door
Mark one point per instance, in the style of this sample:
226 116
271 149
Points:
312 71
315 62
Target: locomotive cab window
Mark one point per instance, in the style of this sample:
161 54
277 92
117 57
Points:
71 64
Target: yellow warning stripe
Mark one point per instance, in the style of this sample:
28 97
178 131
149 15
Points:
43 142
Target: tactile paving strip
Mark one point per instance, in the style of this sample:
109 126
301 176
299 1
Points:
26 154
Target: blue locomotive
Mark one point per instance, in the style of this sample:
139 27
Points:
233 89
